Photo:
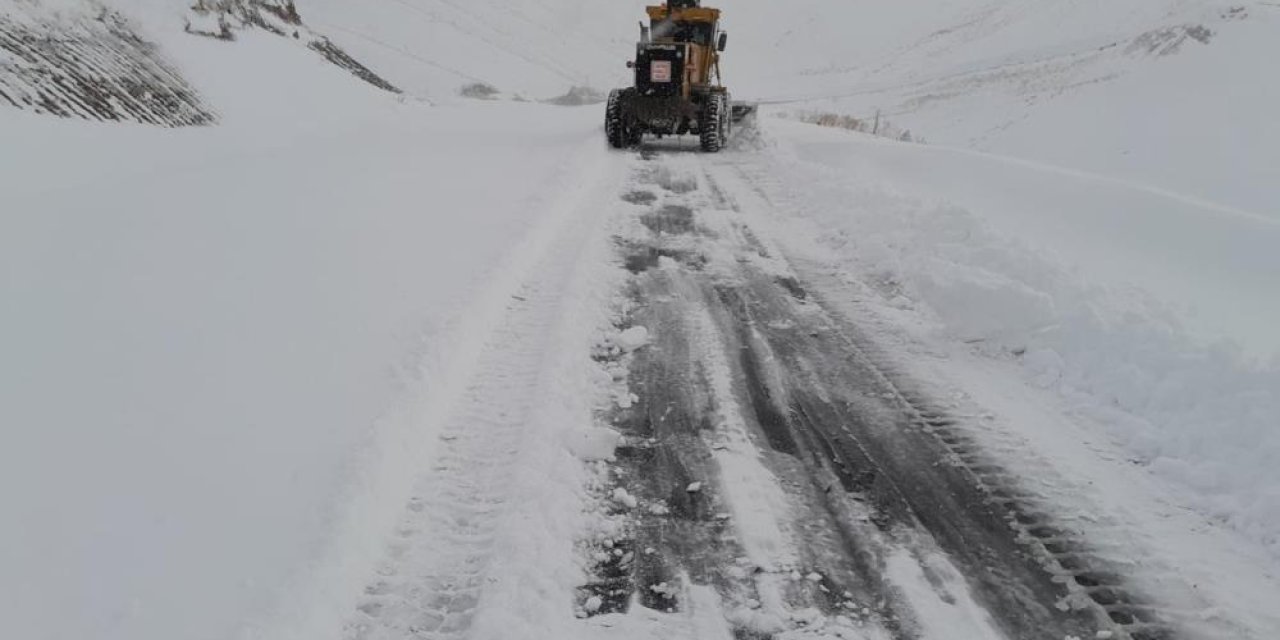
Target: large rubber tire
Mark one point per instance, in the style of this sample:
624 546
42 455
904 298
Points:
615 121
714 123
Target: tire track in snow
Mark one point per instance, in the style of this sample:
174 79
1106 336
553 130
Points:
1128 592
452 545
756 532
890 504
435 574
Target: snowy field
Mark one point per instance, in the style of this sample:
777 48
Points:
256 374
209 323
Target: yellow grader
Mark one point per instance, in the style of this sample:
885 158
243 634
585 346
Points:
677 87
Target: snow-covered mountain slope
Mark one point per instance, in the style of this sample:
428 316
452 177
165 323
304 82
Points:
81 60
110 62
1168 93
530 48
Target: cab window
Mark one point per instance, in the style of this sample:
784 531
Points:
700 33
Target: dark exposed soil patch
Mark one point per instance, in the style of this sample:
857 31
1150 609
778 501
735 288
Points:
640 197
93 68
333 53
671 219
221 19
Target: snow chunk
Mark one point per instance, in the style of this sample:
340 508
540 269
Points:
809 617
625 499
625 399
633 339
593 444
759 621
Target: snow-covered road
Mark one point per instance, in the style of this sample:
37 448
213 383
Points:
775 461
365 358
844 487
695 420
471 378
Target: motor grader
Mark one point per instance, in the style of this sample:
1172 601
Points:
677 88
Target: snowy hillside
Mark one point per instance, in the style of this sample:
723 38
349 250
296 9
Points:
1167 93
76 59
301 339
1149 91
534 49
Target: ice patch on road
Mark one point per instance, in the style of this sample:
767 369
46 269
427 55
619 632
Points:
946 608
751 490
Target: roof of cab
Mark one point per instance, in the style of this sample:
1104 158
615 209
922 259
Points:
687 14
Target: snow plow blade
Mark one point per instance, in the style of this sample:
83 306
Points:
742 111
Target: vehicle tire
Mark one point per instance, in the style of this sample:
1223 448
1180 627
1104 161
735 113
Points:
615 124
714 125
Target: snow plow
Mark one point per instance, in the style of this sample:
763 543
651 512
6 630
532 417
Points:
677 88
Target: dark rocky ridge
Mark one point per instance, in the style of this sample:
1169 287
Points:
95 65
92 67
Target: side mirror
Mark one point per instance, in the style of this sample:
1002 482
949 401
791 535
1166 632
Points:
724 41
631 64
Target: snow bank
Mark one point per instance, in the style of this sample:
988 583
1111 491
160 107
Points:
1151 314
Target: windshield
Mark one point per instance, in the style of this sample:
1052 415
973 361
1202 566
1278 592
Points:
700 33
